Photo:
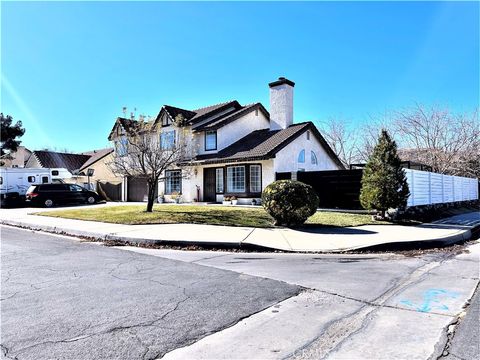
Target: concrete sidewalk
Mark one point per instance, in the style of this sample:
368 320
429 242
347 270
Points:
309 239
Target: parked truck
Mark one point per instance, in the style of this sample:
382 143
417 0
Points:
14 182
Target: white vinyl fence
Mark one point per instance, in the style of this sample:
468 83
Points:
432 188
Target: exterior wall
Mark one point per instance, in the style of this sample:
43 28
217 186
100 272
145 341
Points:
281 106
234 131
17 159
287 159
102 172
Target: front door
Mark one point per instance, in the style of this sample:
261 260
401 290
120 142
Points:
209 185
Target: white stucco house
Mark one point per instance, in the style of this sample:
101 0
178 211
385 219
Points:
238 149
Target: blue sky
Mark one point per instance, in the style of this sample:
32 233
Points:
69 68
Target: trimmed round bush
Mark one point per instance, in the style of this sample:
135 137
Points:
289 202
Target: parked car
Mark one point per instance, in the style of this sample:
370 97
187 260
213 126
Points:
14 182
56 194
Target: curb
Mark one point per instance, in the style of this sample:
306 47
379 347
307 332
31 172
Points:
462 236
133 240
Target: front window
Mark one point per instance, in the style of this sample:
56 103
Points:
255 178
236 179
122 146
219 180
211 140
173 182
31 179
167 140
44 179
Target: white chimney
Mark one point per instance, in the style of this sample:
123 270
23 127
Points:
281 103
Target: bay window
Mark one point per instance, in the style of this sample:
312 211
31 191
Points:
236 179
255 178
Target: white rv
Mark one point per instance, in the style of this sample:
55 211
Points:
14 182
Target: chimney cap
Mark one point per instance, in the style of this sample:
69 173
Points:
281 80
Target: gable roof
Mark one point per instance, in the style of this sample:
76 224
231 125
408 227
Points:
197 115
52 159
127 124
173 112
216 123
95 156
264 144
205 112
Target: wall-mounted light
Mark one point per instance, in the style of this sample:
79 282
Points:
195 171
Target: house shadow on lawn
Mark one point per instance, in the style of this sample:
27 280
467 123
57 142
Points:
328 229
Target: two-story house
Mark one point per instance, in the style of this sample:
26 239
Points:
238 148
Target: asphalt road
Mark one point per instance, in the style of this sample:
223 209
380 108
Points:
465 343
371 306
63 299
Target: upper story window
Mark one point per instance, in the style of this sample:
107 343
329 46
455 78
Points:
301 156
308 134
314 158
122 146
210 140
165 120
167 139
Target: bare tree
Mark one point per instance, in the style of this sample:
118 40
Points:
448 142
343 140
143 152
369 133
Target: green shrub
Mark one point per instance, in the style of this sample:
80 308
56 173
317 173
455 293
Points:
289 202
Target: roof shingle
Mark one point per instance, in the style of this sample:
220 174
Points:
259 144
52 159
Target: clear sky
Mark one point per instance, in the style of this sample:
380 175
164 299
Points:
69 68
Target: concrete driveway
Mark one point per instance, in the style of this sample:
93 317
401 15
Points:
63 299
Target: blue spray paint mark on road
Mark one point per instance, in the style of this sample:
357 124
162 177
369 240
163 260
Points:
432 300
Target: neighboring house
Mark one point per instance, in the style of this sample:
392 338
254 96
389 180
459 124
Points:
53 159
238 149
16 159
103 179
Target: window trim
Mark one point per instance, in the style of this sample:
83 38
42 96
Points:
250 178
166 179
205 140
